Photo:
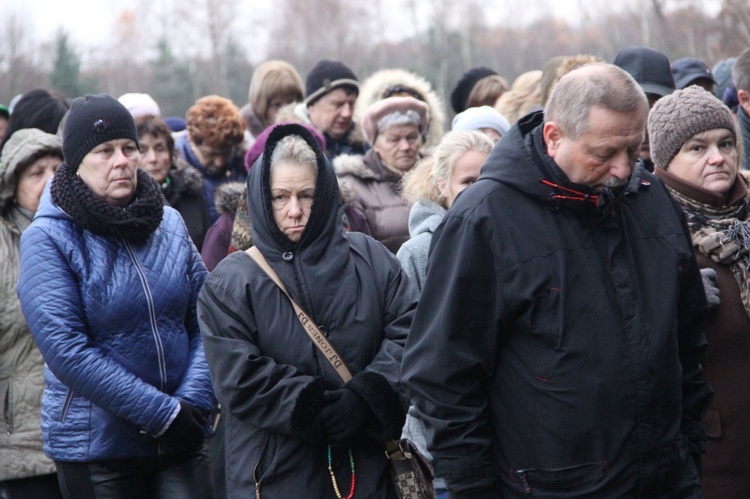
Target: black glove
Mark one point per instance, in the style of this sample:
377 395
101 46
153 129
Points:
345 414
185 434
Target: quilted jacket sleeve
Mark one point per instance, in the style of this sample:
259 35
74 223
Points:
195 388
51 302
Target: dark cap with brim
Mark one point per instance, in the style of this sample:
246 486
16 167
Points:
689 69
649 68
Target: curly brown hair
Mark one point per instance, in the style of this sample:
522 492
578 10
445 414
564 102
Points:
215 122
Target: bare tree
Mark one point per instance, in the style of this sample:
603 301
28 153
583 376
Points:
14 57
207 26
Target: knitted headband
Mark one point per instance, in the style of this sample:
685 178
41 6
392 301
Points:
677 117
93 120
376 112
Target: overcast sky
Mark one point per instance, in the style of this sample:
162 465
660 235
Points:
90 22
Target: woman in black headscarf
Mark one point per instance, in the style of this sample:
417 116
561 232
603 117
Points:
289 417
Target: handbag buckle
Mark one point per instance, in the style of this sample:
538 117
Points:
395 451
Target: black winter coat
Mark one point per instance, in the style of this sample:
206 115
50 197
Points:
269 375
184 193
554 352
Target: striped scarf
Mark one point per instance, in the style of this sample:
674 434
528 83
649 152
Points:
723 235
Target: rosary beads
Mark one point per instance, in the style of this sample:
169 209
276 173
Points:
333 476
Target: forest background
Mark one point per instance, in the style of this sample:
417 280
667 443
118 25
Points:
180 50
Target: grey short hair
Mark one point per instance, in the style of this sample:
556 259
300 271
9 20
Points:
593 85
408 117
294 149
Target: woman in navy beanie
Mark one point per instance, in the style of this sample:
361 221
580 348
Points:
108 285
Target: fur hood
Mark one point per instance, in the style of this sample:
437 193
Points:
228 196
372 90
188 177
351 164
346 194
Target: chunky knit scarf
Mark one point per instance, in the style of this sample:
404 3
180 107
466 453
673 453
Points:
723 235
134 222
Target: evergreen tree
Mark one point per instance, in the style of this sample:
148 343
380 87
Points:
173 86
65 76
239 72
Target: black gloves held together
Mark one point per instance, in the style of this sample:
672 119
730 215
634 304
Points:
344 416
185 434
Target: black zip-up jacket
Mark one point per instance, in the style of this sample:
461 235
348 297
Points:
554 349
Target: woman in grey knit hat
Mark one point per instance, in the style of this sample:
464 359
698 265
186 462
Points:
696 154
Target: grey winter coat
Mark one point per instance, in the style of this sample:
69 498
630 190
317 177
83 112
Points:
21 364
376 194
424 218
268 374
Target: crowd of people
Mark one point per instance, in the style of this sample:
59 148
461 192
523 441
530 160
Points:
547 293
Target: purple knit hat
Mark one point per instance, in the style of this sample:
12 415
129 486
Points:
256 149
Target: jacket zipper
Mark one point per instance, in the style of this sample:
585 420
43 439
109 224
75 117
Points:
255 474
66 405
521 474
152 318
7 410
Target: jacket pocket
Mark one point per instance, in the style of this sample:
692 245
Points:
66 405
712 422
540 482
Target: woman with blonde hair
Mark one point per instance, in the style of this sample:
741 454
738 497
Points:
432 186
523 97
274 84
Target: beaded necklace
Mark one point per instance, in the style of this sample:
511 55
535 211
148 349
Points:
333 476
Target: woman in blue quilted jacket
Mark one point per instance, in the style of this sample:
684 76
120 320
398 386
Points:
108 285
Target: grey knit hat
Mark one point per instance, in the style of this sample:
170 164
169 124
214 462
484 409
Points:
677 117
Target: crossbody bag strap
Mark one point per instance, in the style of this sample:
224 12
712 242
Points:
393 451
311 329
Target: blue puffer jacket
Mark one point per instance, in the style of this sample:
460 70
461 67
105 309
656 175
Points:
117 328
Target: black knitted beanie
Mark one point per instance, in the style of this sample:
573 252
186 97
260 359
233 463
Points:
92 120
677 117
326 76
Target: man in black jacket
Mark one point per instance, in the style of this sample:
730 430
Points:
554 350
741 78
